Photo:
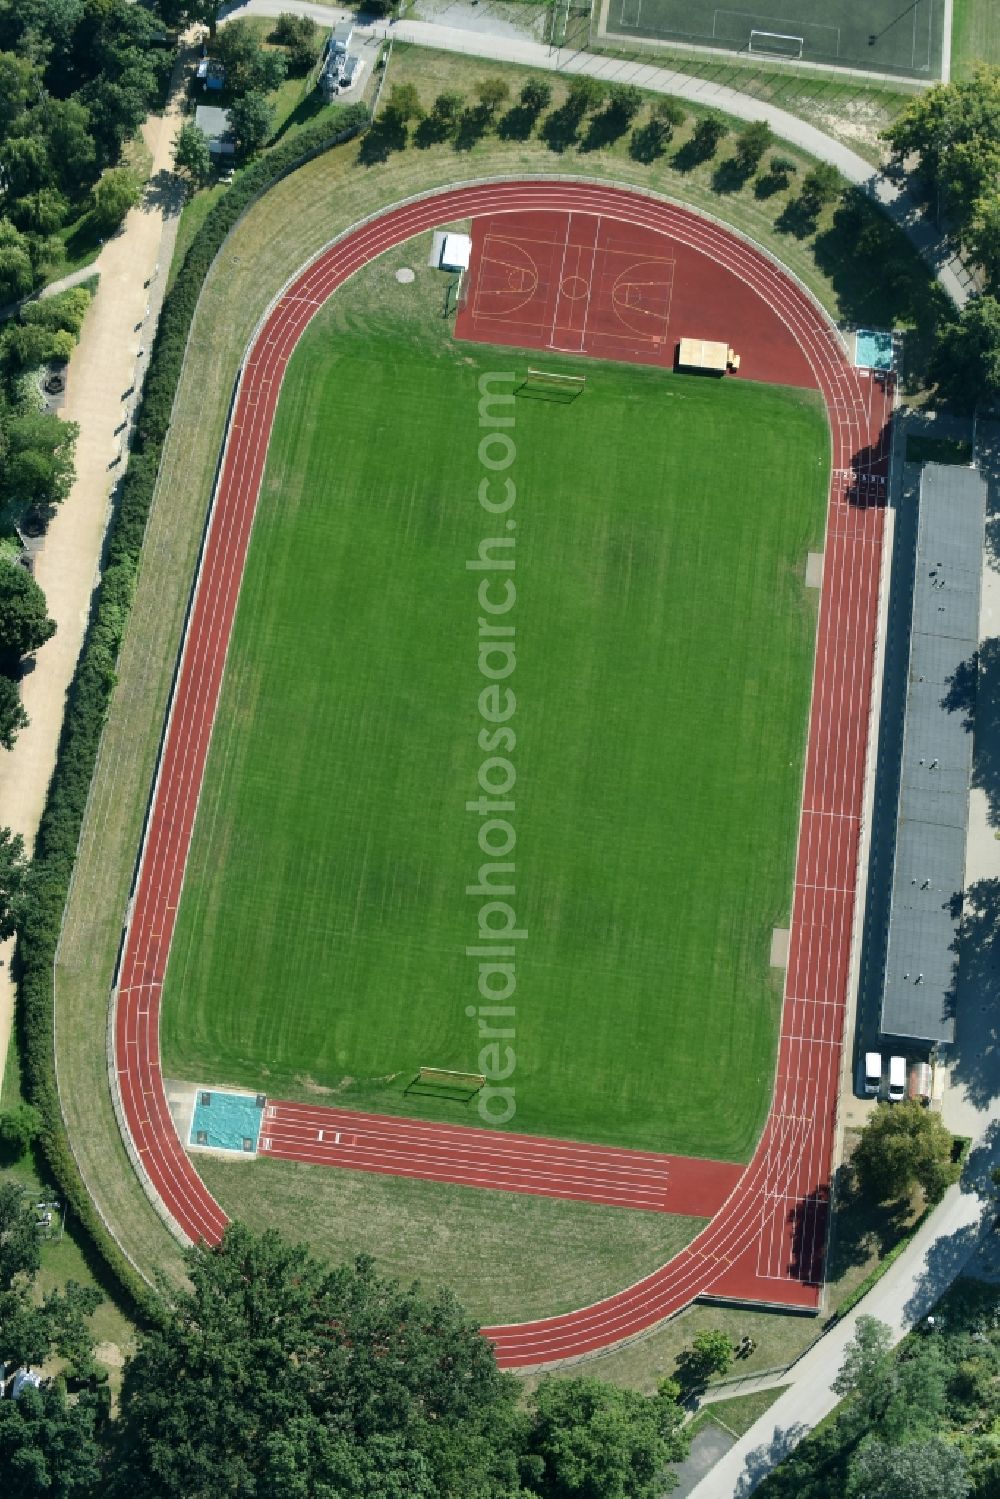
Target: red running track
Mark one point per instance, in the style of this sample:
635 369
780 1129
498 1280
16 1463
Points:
470 1157
767 1241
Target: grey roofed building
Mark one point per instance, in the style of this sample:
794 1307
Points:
918 997
214 123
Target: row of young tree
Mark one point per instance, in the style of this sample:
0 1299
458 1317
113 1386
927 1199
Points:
76 81
594 115
277 1375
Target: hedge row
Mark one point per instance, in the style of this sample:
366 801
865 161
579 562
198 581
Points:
93 681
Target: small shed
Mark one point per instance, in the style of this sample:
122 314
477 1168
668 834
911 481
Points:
24 1379
214 123
352 70
456 252
705 354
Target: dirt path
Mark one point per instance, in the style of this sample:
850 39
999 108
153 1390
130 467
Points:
133 268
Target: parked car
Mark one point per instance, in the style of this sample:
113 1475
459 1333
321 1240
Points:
873 1073
897 1079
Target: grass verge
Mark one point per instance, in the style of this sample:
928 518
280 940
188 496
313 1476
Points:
975 36
505 1255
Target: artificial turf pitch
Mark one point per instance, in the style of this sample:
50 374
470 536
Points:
664 655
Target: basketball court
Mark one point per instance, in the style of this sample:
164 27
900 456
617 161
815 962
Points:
572 283
587 284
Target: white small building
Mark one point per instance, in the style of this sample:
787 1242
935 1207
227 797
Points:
456 252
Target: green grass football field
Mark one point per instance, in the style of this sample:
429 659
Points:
664 658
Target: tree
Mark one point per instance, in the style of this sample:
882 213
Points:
405 100
191 153
300 37
491 93
966 361
751 143
275 1374
624 103
711 1353
780 169
12 715
905 1145
954 131
250 68
822 184
48 1446
669 112
584 95
17 274
251 120
932 1469
708 132
24 624
591 1440
868 1371
650 140
19 1251
19 1129
113 195
15 884
536 95
37 467
983 237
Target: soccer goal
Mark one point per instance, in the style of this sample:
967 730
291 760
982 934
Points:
546 385
442 1082
776 43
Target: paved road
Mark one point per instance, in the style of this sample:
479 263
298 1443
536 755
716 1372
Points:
899 206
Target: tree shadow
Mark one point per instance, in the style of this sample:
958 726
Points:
798 217
808 1219
560 128
306 110
960 696
769 183
730 176
761 1460
946 1259
164 193
604 129
868 488
648 143
975 1060
880 279
473 124
691 155
387 134
518 123
432 131
862 1229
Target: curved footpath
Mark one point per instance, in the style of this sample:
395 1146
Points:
903 209
122 318
767 1241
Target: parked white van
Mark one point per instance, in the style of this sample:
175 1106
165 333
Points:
897 1079
873 1073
